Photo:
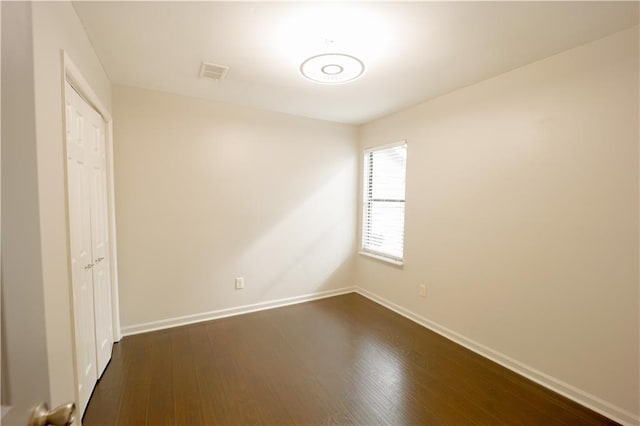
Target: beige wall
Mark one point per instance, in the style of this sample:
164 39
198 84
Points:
56 27
207 192
25 378
522 216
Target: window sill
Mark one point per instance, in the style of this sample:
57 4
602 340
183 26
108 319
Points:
382 258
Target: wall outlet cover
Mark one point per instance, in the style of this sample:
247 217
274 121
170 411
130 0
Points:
239 283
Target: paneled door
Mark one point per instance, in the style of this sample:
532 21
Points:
100 242
87 206
79 208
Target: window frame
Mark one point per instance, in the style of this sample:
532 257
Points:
398 261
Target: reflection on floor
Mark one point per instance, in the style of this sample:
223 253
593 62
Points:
341 360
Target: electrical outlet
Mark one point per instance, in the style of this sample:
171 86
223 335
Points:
239 283
423 290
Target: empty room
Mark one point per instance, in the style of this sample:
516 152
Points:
320 213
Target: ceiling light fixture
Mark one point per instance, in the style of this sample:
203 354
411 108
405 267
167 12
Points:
332 68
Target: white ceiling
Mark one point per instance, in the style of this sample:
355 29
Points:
412 51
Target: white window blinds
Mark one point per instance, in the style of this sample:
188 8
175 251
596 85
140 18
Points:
383 203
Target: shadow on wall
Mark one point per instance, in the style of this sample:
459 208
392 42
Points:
311 249
227 192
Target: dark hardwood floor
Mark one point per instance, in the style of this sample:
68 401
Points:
342 360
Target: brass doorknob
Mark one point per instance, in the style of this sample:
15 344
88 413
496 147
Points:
59 416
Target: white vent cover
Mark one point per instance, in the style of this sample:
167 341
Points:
213 71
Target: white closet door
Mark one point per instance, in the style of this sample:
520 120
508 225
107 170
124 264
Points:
78 154
87 186
100 243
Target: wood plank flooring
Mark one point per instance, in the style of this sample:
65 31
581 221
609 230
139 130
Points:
342 360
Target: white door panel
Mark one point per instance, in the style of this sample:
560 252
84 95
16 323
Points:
100 245
86 175
80 242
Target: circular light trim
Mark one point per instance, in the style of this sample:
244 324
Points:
332 68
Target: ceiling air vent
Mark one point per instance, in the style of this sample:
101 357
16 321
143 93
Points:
213 71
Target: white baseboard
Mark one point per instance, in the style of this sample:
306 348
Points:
228 312
583 398
603 407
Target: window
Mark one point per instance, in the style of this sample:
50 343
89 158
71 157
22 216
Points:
383 201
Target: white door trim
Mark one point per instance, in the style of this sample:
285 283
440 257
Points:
72 74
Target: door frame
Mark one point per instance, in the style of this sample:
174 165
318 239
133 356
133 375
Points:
71 74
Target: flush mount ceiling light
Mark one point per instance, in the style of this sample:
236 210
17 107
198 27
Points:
332 68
